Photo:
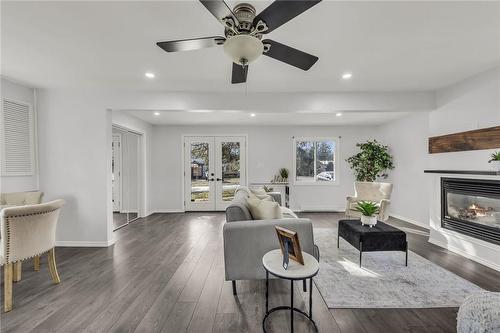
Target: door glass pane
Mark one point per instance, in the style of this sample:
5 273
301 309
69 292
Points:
230 169
199 172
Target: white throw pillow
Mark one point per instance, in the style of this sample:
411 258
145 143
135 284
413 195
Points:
258 191
264 209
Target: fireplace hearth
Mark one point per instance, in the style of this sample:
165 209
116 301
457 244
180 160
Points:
471 207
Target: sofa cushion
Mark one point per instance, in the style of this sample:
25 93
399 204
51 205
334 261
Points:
288 213
264 209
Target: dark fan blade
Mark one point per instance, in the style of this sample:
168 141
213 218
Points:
219 9
282 11
239 73
191 44
289 55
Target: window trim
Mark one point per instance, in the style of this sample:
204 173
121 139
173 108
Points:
335 158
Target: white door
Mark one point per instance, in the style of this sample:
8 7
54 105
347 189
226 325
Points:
116 173
214 167
230 168
199 175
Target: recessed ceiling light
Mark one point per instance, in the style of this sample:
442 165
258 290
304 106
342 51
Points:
339 114
149 75
252 114
347 76
156 114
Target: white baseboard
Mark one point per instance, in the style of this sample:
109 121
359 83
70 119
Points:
84 243
417 223
320 209
167 211
461 252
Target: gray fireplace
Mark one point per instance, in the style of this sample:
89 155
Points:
471 207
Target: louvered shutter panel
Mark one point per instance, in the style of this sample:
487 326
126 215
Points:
17 139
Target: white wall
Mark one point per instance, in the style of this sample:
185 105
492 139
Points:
472 104
75 146
26 95
468 105
75 164
407 138
269 148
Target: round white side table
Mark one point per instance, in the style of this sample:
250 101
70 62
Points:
273 264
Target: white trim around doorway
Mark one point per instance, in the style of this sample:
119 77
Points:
183 140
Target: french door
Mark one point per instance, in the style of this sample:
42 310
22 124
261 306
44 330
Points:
214 166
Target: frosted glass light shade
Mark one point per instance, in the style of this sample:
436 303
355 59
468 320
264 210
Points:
244 47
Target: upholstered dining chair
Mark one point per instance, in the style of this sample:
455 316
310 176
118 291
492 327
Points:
27 231
370 191
22 199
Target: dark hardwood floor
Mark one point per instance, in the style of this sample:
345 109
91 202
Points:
166 274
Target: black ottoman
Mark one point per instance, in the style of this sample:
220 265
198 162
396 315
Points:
381 237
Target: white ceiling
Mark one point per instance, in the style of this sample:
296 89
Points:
388 46
232 117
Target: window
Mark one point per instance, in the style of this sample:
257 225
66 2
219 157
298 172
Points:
315 161
17 140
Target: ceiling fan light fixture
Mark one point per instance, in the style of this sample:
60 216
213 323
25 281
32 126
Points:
243 49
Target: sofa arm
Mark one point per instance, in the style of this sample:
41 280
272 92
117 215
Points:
246 242
276 197
384 210
350 200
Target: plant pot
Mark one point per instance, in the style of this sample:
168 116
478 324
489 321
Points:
368 220
496 165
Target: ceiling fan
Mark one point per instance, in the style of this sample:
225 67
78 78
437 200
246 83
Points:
243 31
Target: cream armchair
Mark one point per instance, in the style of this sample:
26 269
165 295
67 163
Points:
21 199
27 231
368 191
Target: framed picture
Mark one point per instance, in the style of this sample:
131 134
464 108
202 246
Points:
290 246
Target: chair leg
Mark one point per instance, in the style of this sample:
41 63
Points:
36 263
17 269
7 287
234 287
52 266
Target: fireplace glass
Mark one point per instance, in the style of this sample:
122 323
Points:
478 209
471 207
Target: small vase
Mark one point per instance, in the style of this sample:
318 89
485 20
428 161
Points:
496 165
368 220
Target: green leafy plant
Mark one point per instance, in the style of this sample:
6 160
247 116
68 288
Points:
283 173
367 208
495 157
372 162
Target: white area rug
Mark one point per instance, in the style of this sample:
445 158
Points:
384 281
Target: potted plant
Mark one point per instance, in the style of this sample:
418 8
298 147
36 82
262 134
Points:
372 162
368 212
495 159
283 174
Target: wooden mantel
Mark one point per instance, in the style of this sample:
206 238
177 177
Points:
486 138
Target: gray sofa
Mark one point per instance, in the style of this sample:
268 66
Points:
247 240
